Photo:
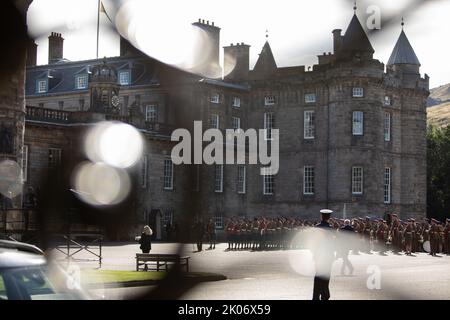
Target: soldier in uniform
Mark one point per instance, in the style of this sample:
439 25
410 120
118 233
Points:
381 236
367 235
263 233
408 236
323 257
434 237
211 231
229 229
447 237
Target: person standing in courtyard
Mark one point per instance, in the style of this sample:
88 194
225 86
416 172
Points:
211 230
146 240
323 254
348 233
199 233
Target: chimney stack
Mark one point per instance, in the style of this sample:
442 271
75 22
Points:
31 53
236 62
211 67
55 47
337 40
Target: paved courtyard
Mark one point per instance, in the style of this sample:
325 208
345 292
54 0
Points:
285 274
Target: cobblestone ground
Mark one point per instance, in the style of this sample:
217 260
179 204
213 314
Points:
280 274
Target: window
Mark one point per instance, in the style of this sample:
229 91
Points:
358 92
236 123
215 98
357 180
358 123
308 180
236 102
387 185
61 105
24 163
268 125
310 98
241 179
42 86
144 168
168 174
387 126
268 185
124 78
269 100
151 114
218 220
309 125
81 82
54 157
214 121
218 178
387 100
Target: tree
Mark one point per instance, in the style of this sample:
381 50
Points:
438 172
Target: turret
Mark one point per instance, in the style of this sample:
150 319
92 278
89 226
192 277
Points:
403 61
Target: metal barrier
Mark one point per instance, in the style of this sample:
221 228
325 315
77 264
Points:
72 245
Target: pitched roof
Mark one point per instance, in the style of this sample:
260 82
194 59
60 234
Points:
403 52
266 62
62 75
355 38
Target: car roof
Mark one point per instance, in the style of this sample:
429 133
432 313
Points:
19 246
18 254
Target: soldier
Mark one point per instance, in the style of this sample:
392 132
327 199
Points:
211 232
408 236
434 237
367 235
255 232
441 238
263 232
381 236
323 257
199 232
447 237
394 234
229 230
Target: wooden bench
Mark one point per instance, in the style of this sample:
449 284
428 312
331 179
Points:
160 261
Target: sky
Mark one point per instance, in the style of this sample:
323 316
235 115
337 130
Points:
298 30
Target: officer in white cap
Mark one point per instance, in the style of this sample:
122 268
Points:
324 259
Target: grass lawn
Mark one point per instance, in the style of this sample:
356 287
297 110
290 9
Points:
117 276
91 276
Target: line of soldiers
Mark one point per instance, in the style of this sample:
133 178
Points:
269 233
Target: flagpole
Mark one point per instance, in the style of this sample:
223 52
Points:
98 24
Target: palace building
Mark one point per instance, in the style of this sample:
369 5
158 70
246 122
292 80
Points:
352 130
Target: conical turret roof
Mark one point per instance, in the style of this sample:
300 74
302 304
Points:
355 38
403 52
266 61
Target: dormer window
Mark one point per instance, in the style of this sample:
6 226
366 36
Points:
81 82
124 78
215 98
358 92
387 100
310 98
269 100
236 102
41 86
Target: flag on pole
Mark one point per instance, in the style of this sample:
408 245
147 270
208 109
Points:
101 9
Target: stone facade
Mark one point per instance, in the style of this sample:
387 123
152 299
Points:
180 98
